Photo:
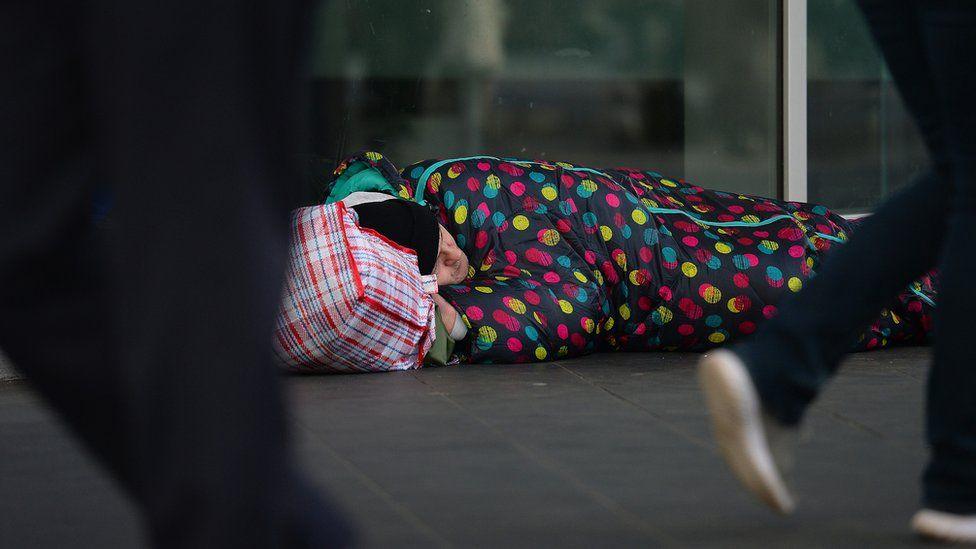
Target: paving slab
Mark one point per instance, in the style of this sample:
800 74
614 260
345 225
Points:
607 450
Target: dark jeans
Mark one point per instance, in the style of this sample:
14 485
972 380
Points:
152 340
929 49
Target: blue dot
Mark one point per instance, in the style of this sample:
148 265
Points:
626 231
498 218
650 237
489 191
581 296
713 321
532 333
670 256
417 172
461 241
565 261
448 199
537 177
478 218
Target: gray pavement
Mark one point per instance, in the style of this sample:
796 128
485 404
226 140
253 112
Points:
607 451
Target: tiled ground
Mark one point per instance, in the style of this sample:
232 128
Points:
606 451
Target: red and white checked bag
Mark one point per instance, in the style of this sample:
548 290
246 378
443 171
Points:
353 300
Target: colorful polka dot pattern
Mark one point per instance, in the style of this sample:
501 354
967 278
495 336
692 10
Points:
567 260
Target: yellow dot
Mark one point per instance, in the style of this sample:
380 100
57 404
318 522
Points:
639 217
537 317
606 232
770 244
549 193
434 181
716 337
374 156
749 219
588 325
598 276
460 214
566 306
493 181
795 284
540 353
668 183
689 269
625 312
580 276
550 237
563 351
665 314
516 305
608 325
453 172
483 289
588 184
722 248
487 333
712 294
520 222
622 261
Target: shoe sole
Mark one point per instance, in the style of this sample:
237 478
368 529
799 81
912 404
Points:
945 527
733 407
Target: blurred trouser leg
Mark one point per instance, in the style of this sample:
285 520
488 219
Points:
198 116
950 479
792 356
54 303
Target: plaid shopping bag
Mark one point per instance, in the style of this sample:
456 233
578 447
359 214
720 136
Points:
353 300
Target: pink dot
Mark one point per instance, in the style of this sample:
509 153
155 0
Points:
686 329
769 311
474 313
796 250
532 298
644 303
484 166
510 256
563 226
613 201
481 239
514 345
562 331
500 316
473 183
752 259
747 327
645 254
689 241
511 270
518 188
577 339
725 218
590 257
567 180
665 293
741 280
551 277
736 209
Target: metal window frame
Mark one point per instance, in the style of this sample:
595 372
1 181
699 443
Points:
794 99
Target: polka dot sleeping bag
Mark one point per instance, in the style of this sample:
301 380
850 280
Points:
567 260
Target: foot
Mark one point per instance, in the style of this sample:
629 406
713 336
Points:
946 527
757 448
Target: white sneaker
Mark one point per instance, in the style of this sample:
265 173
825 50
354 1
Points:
756 447
944 526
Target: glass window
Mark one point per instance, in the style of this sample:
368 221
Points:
687 88
862 142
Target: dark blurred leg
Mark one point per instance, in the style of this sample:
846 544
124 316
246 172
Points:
198 107
792 356
950 480
53 295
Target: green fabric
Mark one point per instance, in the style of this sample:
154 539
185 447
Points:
359 176
443 347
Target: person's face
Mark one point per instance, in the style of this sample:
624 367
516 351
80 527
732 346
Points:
452 264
